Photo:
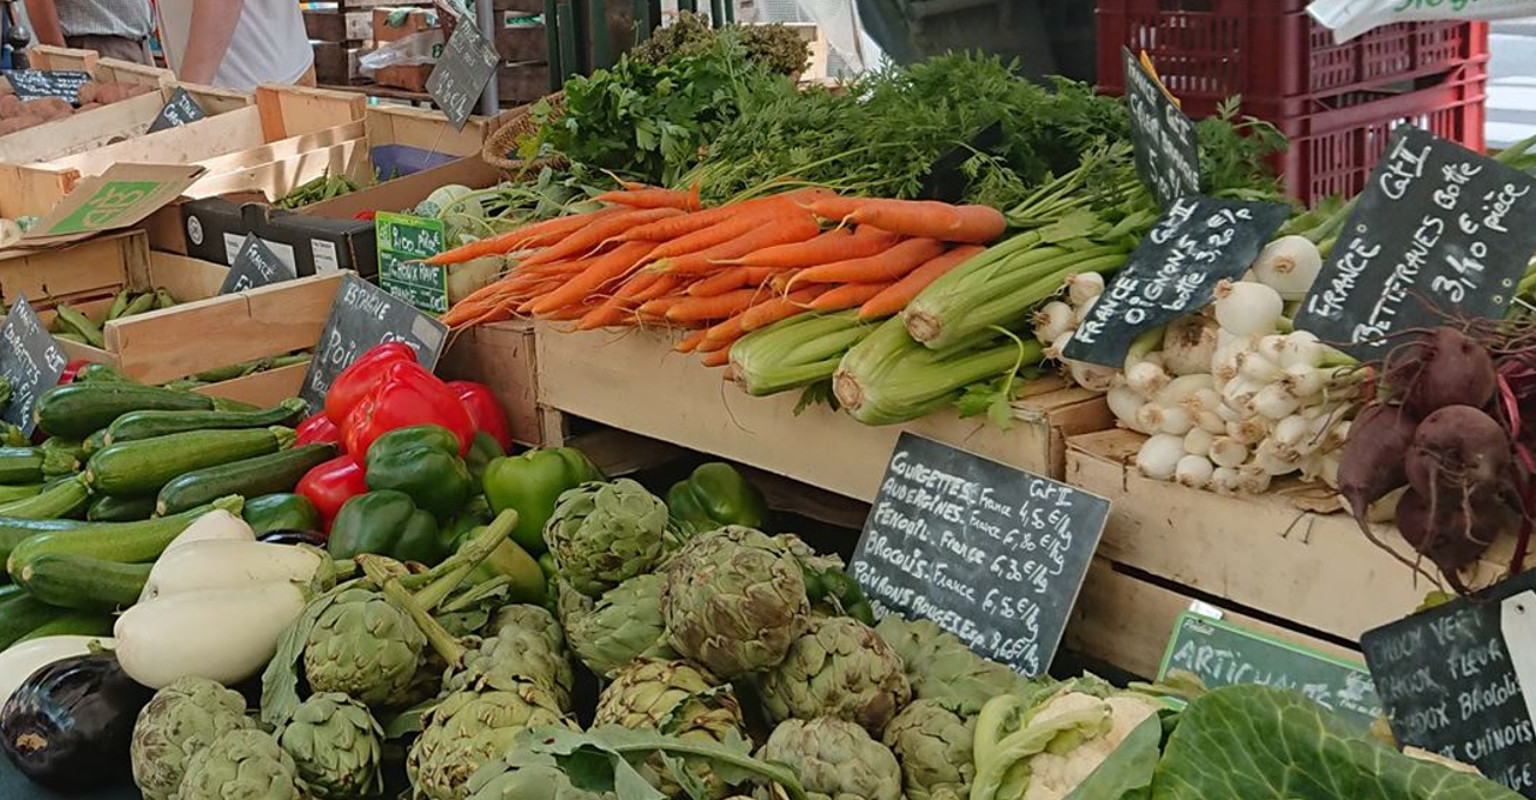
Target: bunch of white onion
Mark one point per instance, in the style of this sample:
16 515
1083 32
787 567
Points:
1057 320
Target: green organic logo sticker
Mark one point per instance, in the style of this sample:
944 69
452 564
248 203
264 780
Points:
112 202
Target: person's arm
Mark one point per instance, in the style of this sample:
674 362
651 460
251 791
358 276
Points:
45 22
208 37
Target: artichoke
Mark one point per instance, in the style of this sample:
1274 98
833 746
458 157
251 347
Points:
529 618
336 745
933 745
513 656
603 534
839 668
674 698
835 759
942 668
366 647
239 765
623 625
180 721
468 729
520 775
734 601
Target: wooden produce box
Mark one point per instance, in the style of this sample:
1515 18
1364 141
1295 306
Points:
332 24
522 82
103 69
77 273
1313 575
413 21
337 63
410 77
520 36
239 131
633 381
501 356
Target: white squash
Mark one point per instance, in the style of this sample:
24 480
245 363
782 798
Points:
225 635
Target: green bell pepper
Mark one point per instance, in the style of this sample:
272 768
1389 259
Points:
531 483
422 461
388 523
526 580
482 451
281 512
714 496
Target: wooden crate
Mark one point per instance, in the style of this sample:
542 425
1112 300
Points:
335 25
522 82
337 62
284 119
1262 555
110 70
79 272
634 382
262 388
500 356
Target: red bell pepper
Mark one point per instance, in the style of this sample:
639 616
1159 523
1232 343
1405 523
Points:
484 411
318 429
331 484
359 379
407 394
71 370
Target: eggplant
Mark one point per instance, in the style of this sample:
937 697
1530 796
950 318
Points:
293 537
68 727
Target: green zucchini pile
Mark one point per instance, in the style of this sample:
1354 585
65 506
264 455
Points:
125 468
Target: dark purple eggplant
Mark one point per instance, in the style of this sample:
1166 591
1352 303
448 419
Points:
293 537
69 725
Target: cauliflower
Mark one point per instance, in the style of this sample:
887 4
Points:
1058 770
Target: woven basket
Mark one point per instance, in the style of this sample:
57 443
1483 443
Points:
500 150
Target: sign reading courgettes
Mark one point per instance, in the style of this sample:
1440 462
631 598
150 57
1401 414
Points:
31 362
403 241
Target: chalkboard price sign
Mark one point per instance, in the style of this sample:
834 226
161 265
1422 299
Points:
1452 680
468 63
179 110
1167 150
403 241
35 84
990 553
1225 655
255 265
1438 229
1174 271
365 316
31 361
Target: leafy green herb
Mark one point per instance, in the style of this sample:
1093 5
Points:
774 46
600 760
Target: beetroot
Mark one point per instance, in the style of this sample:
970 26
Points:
1445 368
1453 535
1458 450
1372 465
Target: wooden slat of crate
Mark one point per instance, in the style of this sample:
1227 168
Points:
500 356
334 25
424 129
1261 552
294 111
281 149
633 381
92 268
261 388
277 178
1124 620
84 130
102 69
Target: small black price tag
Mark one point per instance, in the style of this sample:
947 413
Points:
467 65
35 84
991 553
179 110
1439 230
31 362
255 265
1174 271
1167 149
365 316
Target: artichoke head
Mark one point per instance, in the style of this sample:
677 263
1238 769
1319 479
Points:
528 617
942 668
838 668
365 647
678 699
336 745
516 655
242 765
835 759
604 533
933 745
521 775
180 721
468 729
623 625
734 601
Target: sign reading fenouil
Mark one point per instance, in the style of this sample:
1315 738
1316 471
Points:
991 553
1350 18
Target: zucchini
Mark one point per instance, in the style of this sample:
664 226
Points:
19 492
60 499
82 582
250 477
14 531
61 456
125 542
95 442
108 508
143 466
69 622
20 465
21 615
77 410
137 425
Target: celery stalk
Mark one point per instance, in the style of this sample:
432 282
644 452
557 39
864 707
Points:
795 352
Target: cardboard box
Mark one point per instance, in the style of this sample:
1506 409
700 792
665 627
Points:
411 22
215 227
410 77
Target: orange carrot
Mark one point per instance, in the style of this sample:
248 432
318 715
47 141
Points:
796 226
839 244
659 306
770 311
704 309
691 342
733 278
574 311
894 299
932 219
848 295
723 332
745 221
647 197
602 271
834 208
718 358
887 266
677 227
581 242
509 241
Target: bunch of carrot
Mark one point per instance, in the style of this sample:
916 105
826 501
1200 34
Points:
653 256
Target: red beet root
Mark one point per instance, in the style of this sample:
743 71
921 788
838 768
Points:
1445 368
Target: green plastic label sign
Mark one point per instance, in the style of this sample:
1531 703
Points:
1221 654
403 241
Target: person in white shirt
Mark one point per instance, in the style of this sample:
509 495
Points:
241 44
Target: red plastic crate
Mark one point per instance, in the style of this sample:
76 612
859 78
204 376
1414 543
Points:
1269 51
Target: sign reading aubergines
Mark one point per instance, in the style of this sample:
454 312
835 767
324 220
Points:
991 553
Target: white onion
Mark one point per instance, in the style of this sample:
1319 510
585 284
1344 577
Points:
1228 452
1255 366
1301 381
1176 420
1252 480
1302 348
1183 387
1270 347
1092 377
1198 441
1292 430
1189 344
1081 312
1273 402
1289 265
1247 309
1225 480
1193 471
1084 286
1211 421
1275 461
1124 402
1146 379
1058 346
1159 456
1148 419
1249 431
1052 320
1229 414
